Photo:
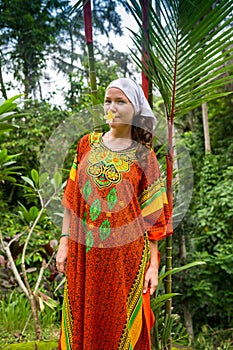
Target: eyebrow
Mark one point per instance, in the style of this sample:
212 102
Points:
117 98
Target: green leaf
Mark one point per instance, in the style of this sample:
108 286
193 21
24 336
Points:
24 213
4 127
60 285
57 180
45 299
8 178
3 155
168 323
35 176
182 268
160 300
33 211
28 180
43 178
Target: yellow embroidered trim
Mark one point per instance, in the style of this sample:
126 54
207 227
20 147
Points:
67 322
152 193
133 325
73 169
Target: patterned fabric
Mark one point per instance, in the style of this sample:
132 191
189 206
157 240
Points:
106 167
116 208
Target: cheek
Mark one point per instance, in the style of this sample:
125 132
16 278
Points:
131 113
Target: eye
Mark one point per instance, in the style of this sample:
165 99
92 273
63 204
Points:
107 101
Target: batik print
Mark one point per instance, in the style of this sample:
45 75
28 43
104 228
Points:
116 208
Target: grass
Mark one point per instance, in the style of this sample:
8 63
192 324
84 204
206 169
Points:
14 314
14 311
43 345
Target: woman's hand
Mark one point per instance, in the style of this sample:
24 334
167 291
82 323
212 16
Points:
151 275
62 255
151 280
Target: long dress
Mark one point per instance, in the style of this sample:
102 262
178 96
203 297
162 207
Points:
117 206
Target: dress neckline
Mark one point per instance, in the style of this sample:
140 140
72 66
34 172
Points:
127 149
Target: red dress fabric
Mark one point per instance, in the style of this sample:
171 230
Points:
116 206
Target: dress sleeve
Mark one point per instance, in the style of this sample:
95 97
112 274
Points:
153 201
67 199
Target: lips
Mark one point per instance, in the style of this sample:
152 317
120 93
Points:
115 119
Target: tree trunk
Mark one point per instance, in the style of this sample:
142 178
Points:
206 127
188 321
183 252
89 42
187 314
26 86
35 317
169 173
146 82
72 99
40 90
4 94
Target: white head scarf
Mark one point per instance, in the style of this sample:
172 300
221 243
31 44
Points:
136 96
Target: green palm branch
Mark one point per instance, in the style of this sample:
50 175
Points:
190 50
8 110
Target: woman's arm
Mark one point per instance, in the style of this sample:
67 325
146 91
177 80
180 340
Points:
63 246
151 276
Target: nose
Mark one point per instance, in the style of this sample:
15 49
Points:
112 106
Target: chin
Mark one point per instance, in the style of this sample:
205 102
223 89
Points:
117 124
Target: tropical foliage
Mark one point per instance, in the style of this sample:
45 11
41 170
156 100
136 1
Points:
7 161
189 60
189 51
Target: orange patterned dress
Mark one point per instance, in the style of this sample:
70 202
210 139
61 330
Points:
116 206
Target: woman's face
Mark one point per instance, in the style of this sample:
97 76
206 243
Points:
119 104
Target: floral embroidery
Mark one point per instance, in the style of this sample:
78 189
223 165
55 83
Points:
105 230
112 198
89 240
106 166
87 190
95 209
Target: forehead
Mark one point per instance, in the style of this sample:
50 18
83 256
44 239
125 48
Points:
115 93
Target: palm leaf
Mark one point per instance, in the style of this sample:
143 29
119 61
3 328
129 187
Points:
78 6
160 300
190 51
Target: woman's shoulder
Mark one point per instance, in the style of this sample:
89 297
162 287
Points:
151 155
152 162
92 137
95 137
88 139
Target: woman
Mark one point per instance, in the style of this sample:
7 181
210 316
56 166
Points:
116 210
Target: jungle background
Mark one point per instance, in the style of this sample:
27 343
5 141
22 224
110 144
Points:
43 42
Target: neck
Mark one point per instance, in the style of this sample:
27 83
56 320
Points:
124 133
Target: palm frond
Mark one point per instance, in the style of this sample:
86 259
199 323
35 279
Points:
78 6
190 50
